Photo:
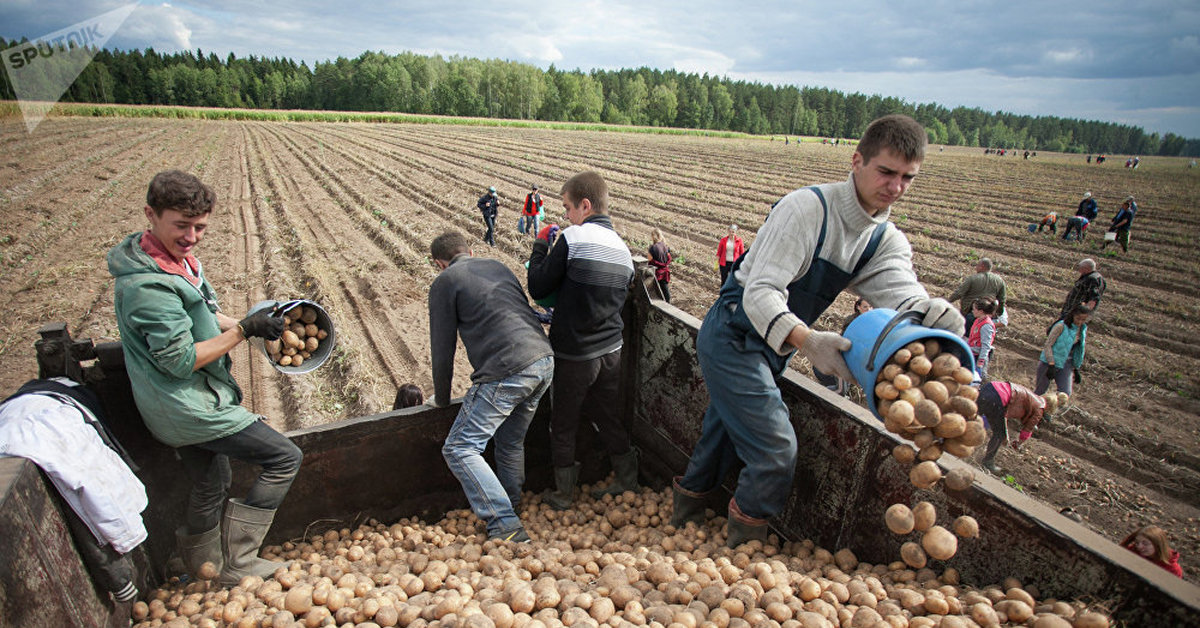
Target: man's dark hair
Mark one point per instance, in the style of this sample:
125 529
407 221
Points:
447 245
407 396
589 185
897 132
986 305
180 191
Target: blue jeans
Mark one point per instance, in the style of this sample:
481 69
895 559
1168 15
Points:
207 464
746 418
499 411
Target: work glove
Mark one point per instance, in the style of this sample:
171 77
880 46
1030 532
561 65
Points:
1077 377
939 314
551 234
1051 372
262 325
824 351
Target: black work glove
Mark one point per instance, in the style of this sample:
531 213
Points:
262 325
1051 371
1077 377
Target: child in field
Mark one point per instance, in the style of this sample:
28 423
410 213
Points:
407 396
1150 542
1049 220
982 333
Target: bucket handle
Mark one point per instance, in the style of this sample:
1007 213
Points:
887 329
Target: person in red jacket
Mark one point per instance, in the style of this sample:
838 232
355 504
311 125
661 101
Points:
531 212
1150 542
729 249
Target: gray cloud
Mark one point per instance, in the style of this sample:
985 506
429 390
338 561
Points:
1130 63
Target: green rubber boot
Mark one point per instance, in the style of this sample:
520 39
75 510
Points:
625 474
743 528
688 507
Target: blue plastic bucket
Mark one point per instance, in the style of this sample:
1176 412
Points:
877 334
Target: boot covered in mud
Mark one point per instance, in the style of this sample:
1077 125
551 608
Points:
688 506
242 536
743 528
625 474
197 549
563 494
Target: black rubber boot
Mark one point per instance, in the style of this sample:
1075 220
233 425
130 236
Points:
563 494
743 528
688 506
625 474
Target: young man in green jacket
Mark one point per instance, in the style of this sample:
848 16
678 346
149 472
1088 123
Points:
176 343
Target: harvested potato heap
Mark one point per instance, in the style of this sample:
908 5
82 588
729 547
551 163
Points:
611 562
300 338
925 396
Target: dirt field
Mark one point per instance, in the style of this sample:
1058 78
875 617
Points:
344 213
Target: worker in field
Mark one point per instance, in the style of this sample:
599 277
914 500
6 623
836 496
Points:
1121 223
489 206
480 301
176 342
816 242
1088 289
588 269
1088 207
1050 220
984 284
531 212
729 249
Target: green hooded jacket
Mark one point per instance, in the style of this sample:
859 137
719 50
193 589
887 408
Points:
161 316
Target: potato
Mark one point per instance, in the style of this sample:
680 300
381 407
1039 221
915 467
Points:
884 406
950 383
899 519
963 406
902 382
904 454
322 334
291 339
901 357
310 330
945 365
273 346
890 372
932 451
285 360
974 434
923 438
940 544
964 375
885 390
1050 621
912 395
915 348
308 315
966 527
297 360
968 392
933 348
924 516
925 474
920 365
901 412
297 328
311 344
1091 619
935 391
927 413
912 555
960 479
952 425
956 448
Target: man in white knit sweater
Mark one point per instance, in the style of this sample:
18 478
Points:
816 242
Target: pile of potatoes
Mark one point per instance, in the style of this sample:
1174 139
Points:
924 395
301 337
613 562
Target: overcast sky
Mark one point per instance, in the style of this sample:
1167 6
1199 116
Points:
1128 62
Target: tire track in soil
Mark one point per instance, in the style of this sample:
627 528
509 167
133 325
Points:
404 257
362 311
265 387
289 271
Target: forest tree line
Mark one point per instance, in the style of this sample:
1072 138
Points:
461 86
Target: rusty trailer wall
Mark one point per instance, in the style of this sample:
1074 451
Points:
389 466
846 478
